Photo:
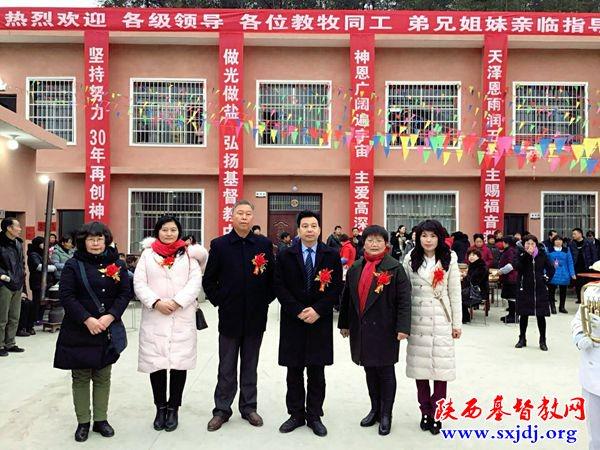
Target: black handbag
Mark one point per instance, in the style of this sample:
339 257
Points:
200 320
117 336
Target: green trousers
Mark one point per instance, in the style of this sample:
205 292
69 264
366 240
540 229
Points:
81 393
10 310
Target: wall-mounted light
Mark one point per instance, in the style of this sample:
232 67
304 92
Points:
12 143
2 85
44 179
294 188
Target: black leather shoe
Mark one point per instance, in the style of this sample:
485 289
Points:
23 333
172 419
3 352
543 346
385 426
161 416
371 419
522 343
563 310
31 331
553 308
426 422
318 428
104 428
82 432
15 349
436 427
291 424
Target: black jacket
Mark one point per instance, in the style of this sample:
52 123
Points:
589 254
302 344
229 283
532 298
12 262
373 336
477 275
460 245
76 347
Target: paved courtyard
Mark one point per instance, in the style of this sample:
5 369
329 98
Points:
36 409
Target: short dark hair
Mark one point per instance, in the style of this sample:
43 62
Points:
478 236
577 229
510 240
131 259
475 251
558 237
306 214
376 230
552 231
7 222
344 238
491 236
166 219
192 237
54 234
337 226
65 238
530 237
355 228
256 227
92 229
590 233
283 235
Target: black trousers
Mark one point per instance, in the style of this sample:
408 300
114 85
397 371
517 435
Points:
307 404
579 282
562 292
247 349
541 322
381 382
158 380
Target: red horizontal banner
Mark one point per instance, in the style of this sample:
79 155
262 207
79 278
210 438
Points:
300 21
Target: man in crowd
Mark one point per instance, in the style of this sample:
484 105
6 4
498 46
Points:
548 242
584 255
238 280
285 241
12 280
358 242
333 240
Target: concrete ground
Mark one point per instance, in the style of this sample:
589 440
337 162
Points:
36 409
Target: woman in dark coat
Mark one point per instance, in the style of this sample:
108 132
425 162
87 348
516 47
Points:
460 245
535 269
83 342
477 275
375 313
509 277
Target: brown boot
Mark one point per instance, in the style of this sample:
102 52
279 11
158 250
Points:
253 418
216 423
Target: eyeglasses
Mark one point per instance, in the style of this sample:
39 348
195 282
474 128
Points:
95 240
374 241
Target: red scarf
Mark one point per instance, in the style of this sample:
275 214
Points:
366 278
166 250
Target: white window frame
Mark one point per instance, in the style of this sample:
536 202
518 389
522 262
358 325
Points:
542 218
143 189
585 84
298 147
132 80
388 83
456 202
41 78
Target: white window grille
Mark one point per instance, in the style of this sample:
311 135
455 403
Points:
51 105
547 110
293 114
147 206
414 104
410 209
563 211
168 112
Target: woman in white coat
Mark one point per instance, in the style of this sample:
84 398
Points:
167 282
589 370
436 318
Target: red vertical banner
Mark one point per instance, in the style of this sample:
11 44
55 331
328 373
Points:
231 150
97 145
492 196
362 73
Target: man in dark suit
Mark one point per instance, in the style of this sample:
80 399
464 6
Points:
308 283
238 280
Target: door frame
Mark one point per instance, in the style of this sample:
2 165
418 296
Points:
269 194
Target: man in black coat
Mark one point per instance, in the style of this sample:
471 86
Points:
584 255
308 283
238 280
12 280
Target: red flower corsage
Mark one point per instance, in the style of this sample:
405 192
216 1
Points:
438 276
260 263
112 271
168 262
324 277
383 279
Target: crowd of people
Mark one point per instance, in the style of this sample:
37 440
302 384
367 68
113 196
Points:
416 287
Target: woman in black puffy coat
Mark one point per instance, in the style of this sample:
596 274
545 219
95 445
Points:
477 275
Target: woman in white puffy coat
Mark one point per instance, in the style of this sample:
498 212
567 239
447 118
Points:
167 281
436 318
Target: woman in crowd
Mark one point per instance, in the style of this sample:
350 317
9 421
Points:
435 318
83 343
476 277
460 245
398 242
63 251
486 254
167 282
562 260
509 277
534 270
347 252
375 313
410 244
